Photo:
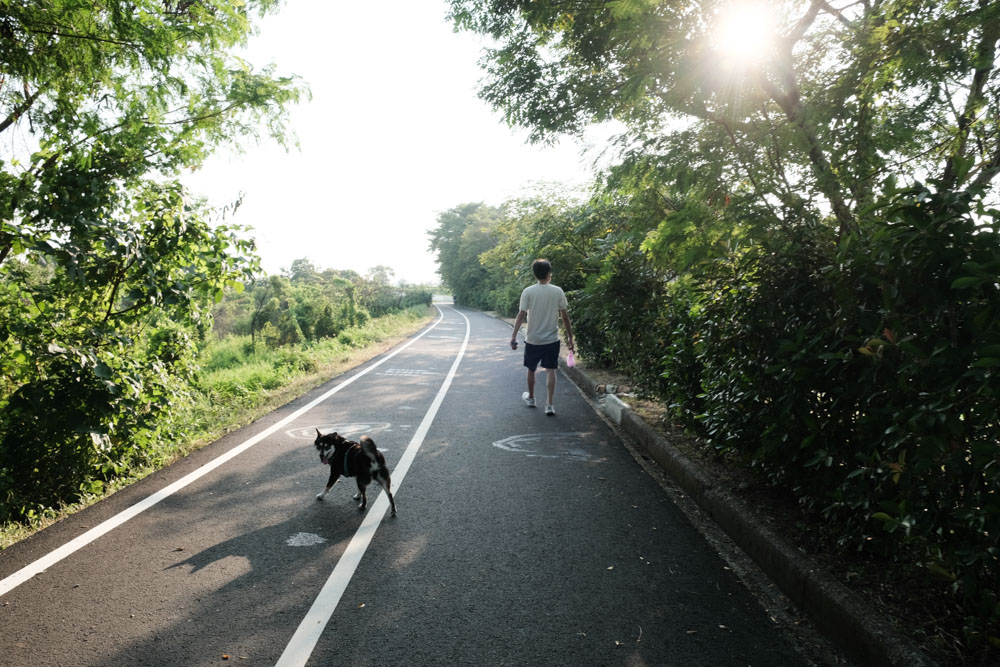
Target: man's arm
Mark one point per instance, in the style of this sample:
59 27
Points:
569 329
521 317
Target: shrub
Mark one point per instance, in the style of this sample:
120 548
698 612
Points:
678 366
928 371
769 390
295 361
505 300
289 332
615 316
87 420
225 353
326 326
865 379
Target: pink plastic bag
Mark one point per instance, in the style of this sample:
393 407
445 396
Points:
570 359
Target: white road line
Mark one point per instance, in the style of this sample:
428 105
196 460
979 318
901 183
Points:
308 633
27 572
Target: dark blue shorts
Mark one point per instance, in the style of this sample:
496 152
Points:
548 354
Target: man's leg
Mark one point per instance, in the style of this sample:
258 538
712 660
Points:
530 363
550 383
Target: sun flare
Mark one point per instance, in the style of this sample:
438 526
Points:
744 32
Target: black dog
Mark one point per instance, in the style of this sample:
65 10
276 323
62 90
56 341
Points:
361 460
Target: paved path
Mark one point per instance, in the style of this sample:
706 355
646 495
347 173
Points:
521 539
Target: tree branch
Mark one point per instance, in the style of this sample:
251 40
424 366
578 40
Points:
111 128
746 167
985 55
791 103
16 114
988 171
91 38
799 31
839 13
774 155
119 279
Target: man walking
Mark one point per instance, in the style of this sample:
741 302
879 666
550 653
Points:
541 305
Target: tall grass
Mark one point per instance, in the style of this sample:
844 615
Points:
239 381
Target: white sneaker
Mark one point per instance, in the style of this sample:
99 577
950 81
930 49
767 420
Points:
550 411
530 402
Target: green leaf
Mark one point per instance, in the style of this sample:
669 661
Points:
966 282
963 165
941 572
92 486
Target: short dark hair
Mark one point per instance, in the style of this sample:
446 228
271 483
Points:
541 268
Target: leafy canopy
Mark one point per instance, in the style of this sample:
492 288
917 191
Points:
107 266
841 97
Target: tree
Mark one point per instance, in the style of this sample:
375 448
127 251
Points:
761 261
326 326
266 292
303 271
380 275
463 234
376 293
289 331
103 105
813 123
351 313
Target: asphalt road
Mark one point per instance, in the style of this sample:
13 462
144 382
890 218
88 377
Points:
521 539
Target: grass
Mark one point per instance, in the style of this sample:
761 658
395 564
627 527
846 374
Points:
239 384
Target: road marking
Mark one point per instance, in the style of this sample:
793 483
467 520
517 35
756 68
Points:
308 633
28 571
408 371
304 540
346 430
548 446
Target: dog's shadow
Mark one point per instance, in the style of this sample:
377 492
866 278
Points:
269 573
321 530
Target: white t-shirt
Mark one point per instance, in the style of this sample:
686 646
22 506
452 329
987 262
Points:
543 303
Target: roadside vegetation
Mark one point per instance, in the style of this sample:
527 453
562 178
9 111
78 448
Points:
314 324
795 251
135 320
224 380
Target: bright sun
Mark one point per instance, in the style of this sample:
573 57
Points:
744 32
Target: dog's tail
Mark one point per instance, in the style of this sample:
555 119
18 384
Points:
368 447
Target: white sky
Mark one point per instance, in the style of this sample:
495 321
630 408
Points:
394 135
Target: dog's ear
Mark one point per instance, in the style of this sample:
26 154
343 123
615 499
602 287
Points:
318 434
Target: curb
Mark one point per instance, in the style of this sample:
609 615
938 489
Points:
865 635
